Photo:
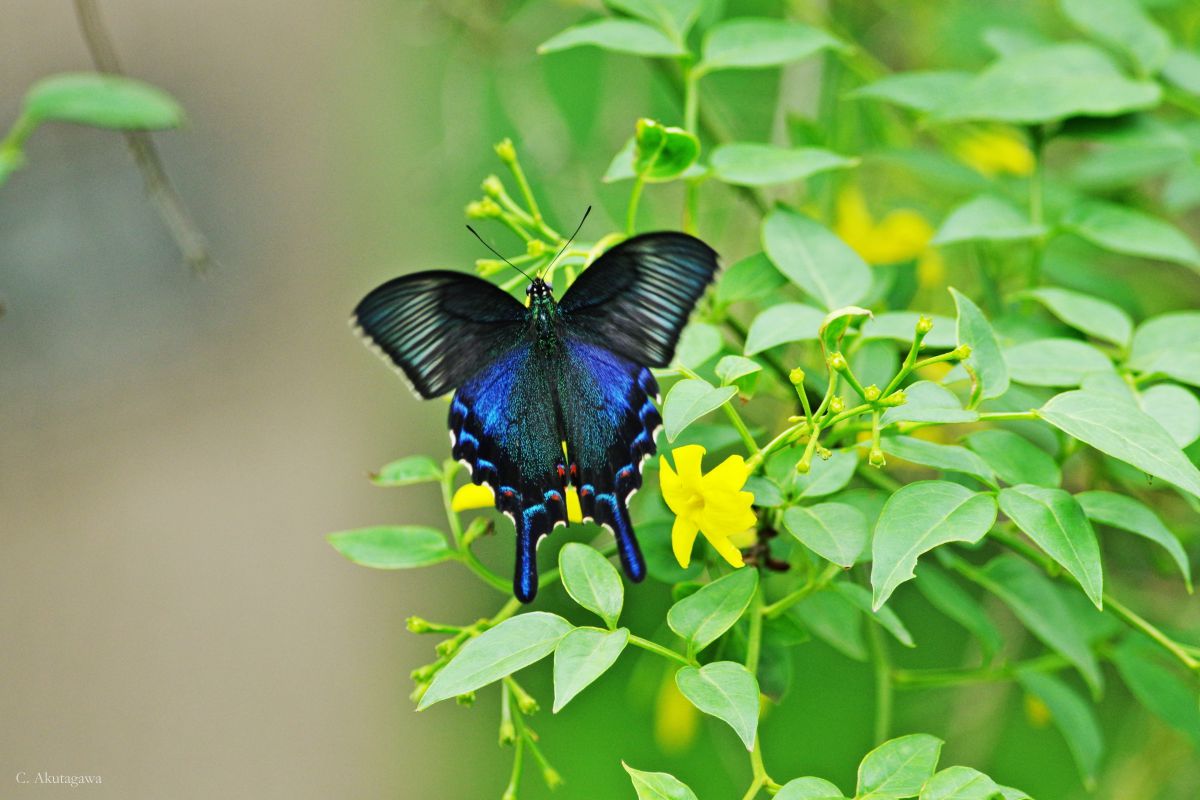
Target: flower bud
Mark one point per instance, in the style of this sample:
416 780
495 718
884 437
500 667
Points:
525 701
506 151
924 325
803 465
492 186
796 376
423 674
447 647
482 209
536 247
837 362
551 777
467 699
837 405
418 692
417 625
871 393
894 399
876 457
824 452
962 352
508 732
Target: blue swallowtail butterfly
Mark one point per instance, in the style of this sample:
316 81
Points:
554 393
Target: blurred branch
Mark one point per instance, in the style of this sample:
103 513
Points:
170 206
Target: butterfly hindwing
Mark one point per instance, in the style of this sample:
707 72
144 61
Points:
636 297
606 403
504 426
439 327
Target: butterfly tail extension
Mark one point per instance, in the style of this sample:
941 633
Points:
611 511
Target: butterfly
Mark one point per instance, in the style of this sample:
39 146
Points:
553 393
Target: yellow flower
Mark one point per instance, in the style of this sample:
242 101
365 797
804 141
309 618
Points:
676 720
470 496
994 150
901 235
712 504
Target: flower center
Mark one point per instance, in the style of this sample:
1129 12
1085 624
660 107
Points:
695 503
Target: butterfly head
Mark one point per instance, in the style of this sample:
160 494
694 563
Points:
539 290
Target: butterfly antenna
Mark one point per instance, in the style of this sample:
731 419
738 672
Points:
497 252
568 244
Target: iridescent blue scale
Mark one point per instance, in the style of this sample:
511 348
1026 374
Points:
555 394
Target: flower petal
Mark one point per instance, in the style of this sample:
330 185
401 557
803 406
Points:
683 539
672 487
470 496
729 476
687 462
726 513
726 548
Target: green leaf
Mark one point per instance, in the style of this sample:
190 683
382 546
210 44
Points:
617 35
960 783
1157 688
1176 409
592 581
948 457
657 785
767 493
752 278
928 402
663 153
753 43
1003 40
1072 716
699 342
860 598
689 400
496 653
675 17
1083 312
1169 344
582 656
898 768
918 518
986 218
834 531
1055 522
1183 70
731 369
919 91
102 101
825 477
1047 84
1124 26
746 164
833 619
1113 427
786 322
392 546
1128 514
725 690
836 323
407 471
986 359
1054 362
809 789
702 617
1034 600
816 260
952 600
1014 458
1120 229
901 325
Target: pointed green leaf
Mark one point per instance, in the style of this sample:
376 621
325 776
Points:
786 322
1123 25
1014 458
986 218
749 164
582 656
617 35
407 471
702 617
1158 688
900 325
860 598
1083 312
898 768
947 457
658 785
689 400
754 42
1120 229
1072 716
1128 514
986 358
732 368
497 652
918 518
1113 427
960 783
1055 522
809 789
675 17
727 691
952 600
834 531
1054 362
699 342
752 278
1169 344
826 476
393 546
815 259
919 91
592 581
832 618
102 101
928 402
1176 409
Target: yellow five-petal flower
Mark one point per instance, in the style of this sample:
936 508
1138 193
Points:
712 504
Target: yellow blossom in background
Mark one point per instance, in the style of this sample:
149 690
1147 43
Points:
676 720
901 235
994 150
470 496
712 504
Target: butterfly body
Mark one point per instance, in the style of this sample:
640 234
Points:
553 396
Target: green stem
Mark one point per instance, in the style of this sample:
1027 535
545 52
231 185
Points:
514 780
910 362
937 678
658 649
754 641
1146 627
1001 416
883 682
691 98
634 197
787 601
740 425
449 471
1037 181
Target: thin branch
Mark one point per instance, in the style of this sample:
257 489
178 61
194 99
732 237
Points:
175 215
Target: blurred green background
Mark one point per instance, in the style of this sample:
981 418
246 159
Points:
174 449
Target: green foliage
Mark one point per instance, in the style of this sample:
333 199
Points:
953 351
